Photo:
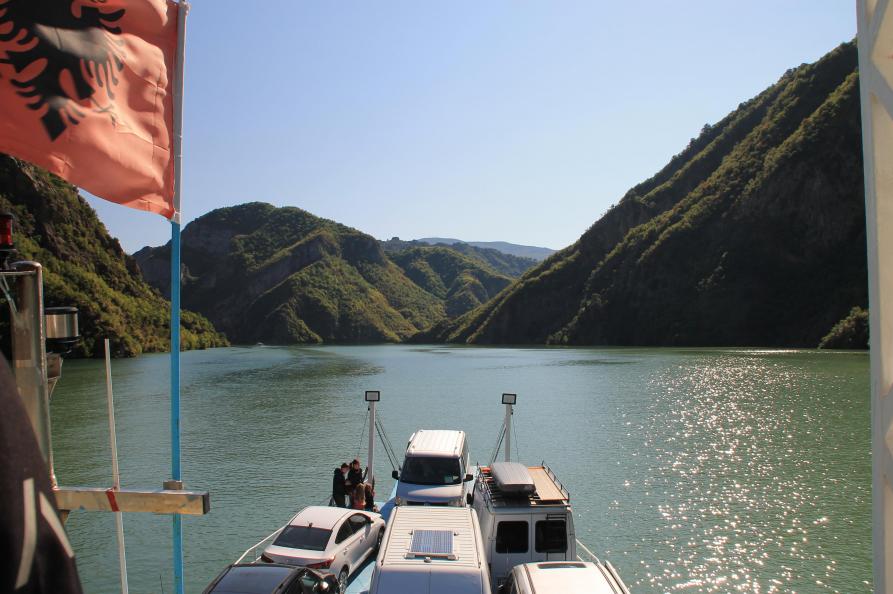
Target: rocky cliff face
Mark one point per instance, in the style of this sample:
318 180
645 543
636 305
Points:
84 266
753 235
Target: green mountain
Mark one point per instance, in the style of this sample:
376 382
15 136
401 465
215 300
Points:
462 282
752 235
84 266
490 258
283 275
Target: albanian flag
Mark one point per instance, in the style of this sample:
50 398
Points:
86 92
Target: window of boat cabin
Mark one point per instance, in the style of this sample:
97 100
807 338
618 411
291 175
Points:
551 536
344 532
512 537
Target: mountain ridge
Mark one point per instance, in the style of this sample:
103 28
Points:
284 275
84 266
753 235
514 249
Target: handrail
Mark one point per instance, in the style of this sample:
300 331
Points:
262 543
616 575
608 570
592 556
554 478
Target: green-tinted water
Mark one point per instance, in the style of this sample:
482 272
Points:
692 470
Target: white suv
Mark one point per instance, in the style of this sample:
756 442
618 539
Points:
435 468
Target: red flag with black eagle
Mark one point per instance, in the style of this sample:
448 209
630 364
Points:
86 92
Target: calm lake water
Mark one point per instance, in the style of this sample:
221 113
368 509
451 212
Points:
690 470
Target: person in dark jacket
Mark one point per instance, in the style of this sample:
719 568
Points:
354 475
339 488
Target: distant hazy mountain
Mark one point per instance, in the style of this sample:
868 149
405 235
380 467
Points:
522 251
500 262
753 235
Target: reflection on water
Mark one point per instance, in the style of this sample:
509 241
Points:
691 470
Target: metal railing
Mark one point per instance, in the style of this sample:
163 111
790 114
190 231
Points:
253 553
557 482
608 570
591 556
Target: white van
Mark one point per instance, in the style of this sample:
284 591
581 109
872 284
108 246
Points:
525 516
431 550
559 577
435 469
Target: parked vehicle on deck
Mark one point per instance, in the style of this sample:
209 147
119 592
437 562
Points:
271 578
431 550
525 516
334 539
434 470
559 577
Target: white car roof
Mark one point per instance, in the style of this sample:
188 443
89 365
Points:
568 576
435 442
457 521
321 516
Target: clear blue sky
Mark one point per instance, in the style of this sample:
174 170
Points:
517 120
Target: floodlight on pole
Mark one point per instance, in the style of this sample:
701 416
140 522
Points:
373 395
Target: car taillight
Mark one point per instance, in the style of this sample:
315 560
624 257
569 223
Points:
266 559
321 565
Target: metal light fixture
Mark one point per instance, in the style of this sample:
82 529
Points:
373 396
61 328
509 398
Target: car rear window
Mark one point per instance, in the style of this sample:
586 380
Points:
255 578
303 537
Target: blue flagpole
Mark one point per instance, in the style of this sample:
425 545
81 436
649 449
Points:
176 475
175 398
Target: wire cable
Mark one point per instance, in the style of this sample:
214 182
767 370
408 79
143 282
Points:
362 431
498 444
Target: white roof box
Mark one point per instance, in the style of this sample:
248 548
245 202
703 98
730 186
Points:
513 479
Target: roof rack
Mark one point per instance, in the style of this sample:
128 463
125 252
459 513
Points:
549 490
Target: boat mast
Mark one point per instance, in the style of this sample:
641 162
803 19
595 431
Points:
875 39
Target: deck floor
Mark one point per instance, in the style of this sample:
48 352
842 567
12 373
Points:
362 580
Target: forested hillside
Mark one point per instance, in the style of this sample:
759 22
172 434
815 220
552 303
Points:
283 275
753 235
84 266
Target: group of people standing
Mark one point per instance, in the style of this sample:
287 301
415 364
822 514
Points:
350 489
